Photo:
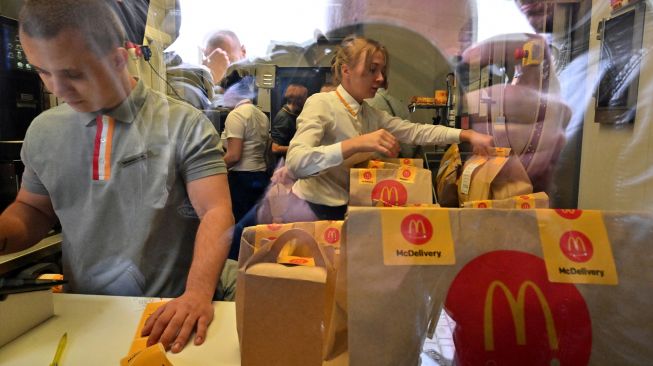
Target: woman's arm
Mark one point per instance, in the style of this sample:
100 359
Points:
234 151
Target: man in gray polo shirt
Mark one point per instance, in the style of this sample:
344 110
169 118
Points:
135 178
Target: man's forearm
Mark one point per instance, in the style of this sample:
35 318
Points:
211 250
22 226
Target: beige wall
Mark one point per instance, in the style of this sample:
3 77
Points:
421 37
617 161
10 8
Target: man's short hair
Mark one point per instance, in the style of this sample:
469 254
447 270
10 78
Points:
94 19
219 38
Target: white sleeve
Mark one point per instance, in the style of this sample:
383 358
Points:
417 133
234 125
306 155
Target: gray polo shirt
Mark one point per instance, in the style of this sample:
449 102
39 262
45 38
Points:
118 185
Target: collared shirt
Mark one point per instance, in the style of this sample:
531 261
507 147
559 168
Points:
117 183
315 153
248 123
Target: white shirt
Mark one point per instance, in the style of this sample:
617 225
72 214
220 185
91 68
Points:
248 123
315 153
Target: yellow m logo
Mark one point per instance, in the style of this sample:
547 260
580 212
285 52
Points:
568 211
576 245
518 314
389 195
416 228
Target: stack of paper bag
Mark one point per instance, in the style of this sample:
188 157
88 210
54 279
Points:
497 176
521 287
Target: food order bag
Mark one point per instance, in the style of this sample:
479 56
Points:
497 176
390 187
446 180
504 287
280 309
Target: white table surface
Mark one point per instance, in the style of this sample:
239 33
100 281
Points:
101 329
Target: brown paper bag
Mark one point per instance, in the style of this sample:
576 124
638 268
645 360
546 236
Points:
447 177
523 202
390 187
280 309
499 304
497 176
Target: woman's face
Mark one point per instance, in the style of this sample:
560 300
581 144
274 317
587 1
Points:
361 80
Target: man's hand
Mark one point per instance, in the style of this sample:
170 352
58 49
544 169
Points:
173 323
218 62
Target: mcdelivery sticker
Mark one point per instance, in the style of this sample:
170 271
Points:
417 237
576 247
508 313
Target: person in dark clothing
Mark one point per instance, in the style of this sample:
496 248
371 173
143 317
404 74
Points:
285 122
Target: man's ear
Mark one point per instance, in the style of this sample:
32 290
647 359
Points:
243 50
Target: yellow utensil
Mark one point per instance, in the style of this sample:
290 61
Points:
60 348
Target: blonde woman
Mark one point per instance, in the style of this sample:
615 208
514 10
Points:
335 126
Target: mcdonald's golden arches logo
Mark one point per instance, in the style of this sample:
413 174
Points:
508 313
331 235
390 193
576 246
482 205
517 311
525 205
416 229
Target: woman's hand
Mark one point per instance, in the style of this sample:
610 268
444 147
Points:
481 143
380 141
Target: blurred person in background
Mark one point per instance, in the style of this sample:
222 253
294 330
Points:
285 122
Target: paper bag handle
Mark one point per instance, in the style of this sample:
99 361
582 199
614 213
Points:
302 237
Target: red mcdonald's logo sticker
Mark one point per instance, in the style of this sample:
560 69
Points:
482 205
367 175
331 235
508 313
570 214
406 173
525 197
274 227
390 193
525 205
416 229
298 261
576 246
407 161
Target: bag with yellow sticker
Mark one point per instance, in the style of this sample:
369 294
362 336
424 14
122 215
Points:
281 308
497 176
390 187
504 287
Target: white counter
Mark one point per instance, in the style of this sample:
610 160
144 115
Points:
101 329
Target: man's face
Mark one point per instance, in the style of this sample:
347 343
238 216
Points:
72 72
234 50
362 81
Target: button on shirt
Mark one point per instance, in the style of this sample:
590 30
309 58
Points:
315 153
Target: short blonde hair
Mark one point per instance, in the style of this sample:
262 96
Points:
349 52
